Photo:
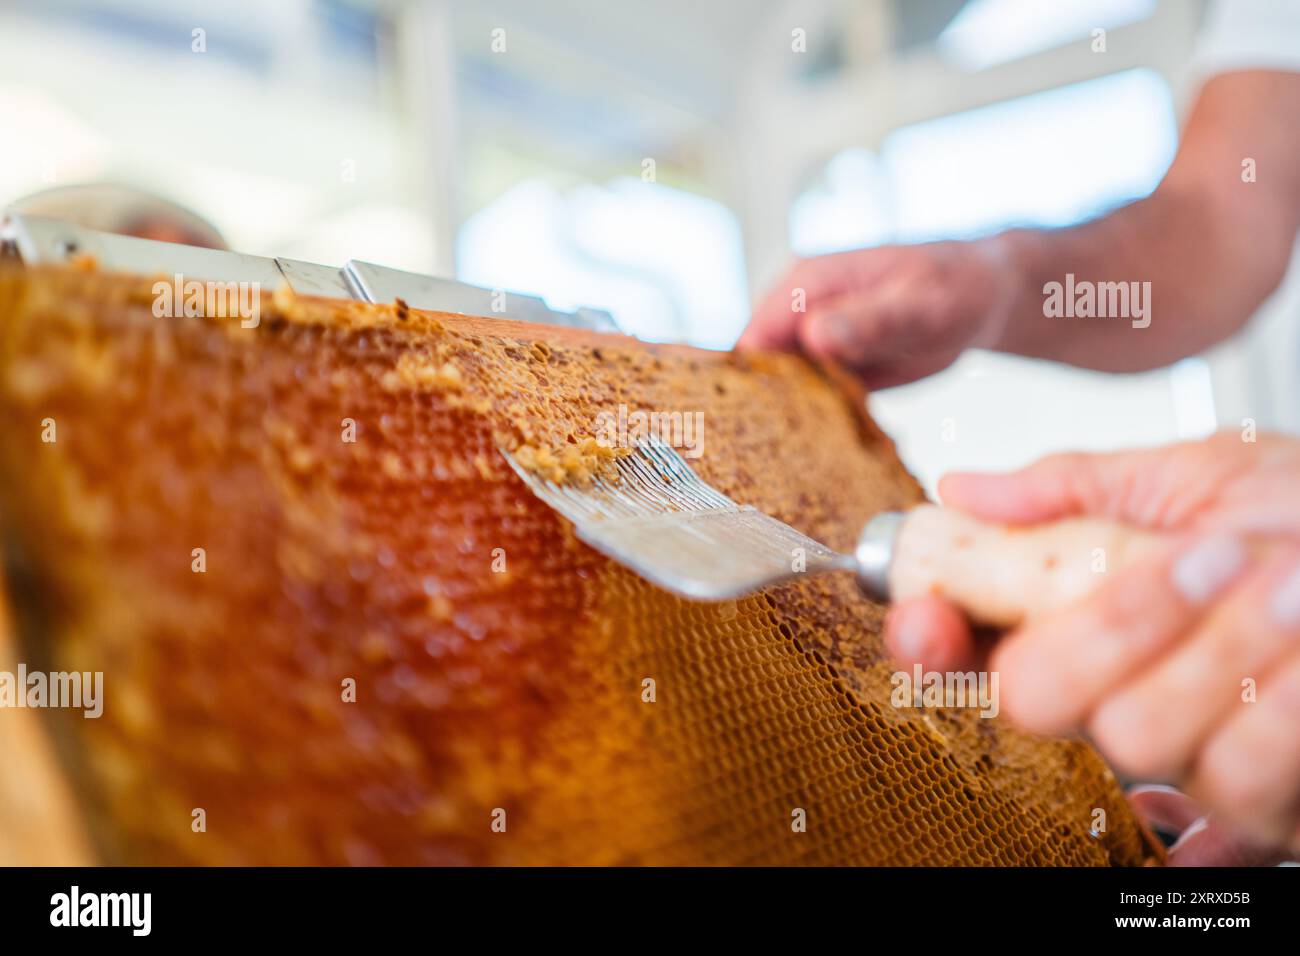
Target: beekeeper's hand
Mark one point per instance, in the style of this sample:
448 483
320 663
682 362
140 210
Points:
1199 839
892 314
1182 668
1197 257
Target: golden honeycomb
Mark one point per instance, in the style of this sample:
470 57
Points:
333 620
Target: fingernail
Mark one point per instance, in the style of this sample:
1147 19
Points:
1286 600
1204 569
1196 826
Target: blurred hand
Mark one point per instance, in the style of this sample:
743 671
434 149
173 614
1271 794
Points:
1200 839
1158 664
892 314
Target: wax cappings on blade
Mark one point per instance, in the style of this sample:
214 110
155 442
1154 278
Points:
663 522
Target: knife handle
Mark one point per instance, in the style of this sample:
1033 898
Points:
997 574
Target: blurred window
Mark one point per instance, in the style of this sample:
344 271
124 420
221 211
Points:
667 263
846 209
987 32
168 95
1052 158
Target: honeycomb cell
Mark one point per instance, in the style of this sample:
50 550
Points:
340 467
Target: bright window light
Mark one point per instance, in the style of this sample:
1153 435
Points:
1051 158
386 233
845 210
45 144
987 32
667 263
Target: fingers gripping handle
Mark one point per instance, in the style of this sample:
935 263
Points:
999 575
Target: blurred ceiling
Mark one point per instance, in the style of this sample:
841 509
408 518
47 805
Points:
687 52
585 80
612 72
621 76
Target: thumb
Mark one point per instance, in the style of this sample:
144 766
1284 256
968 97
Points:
843 330
866 332
1164 808
1198 839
